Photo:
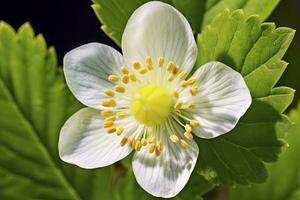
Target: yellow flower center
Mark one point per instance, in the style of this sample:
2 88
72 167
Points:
151 105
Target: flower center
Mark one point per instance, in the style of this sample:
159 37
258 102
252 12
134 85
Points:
151 105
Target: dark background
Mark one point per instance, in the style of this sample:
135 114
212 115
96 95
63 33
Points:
67 24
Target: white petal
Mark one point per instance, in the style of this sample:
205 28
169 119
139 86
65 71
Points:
166 175
85 143
86 69
157 29
223 98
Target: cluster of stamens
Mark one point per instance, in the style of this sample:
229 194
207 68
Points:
114 112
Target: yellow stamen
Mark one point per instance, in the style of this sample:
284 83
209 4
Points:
108 124
138 146
124 141
161 61
132 77
111 129
170 65
143 71
132 143
119 89
175 70
194 90
174 138
170 77
112 102
113 118
106 113
120 131
191 104
105 103
151 139
124 70
121 114
125 78
151 148
149 63
175 94
157 151
188 135
195 123
109 93
144 142
188 128
191 81
113 78
160 145
136 65
182 75
184 84
178 104
183 144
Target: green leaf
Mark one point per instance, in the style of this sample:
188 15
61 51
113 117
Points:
34 103
255 50
284 180
114 14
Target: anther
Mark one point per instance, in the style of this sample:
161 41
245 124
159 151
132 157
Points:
188 128
178 104
132 77
108 124
191 104
124 141
113 78
149 63
106 113
170 77
121 114
136 65
113 118
191 81
188 135
175 70
112 102
157 151
194 90
160 145
111 129
105 103
183 144
109 93
175 94
170 65
194 123
138 146
120 131
143 71
184 84
174 138
125 78
151 139
119 89
151 148
182 75
124 70
160 62
144 142
132 143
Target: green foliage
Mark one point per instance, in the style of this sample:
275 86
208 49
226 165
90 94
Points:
284 180
114 14
255 50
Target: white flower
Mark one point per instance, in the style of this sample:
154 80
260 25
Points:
143 101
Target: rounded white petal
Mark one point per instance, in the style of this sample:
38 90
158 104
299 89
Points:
83 141
223 98
166 175
157 29
87 68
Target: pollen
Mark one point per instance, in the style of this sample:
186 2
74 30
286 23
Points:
136 65
191 104
125 78
112 102
113 78
191 81
170 77
111 129
143 71
175 94
195 123
108 124
132 143
184 84
120 131
184 144
122 114
157 151
144 142
160 62
170 65
149 63
182 75
151 139
109 93
152 148
106 113
188 128
194 90
174 138
132 77
124 141
175 70
124 70
113 118
188 135
138 146
119 89
178 104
